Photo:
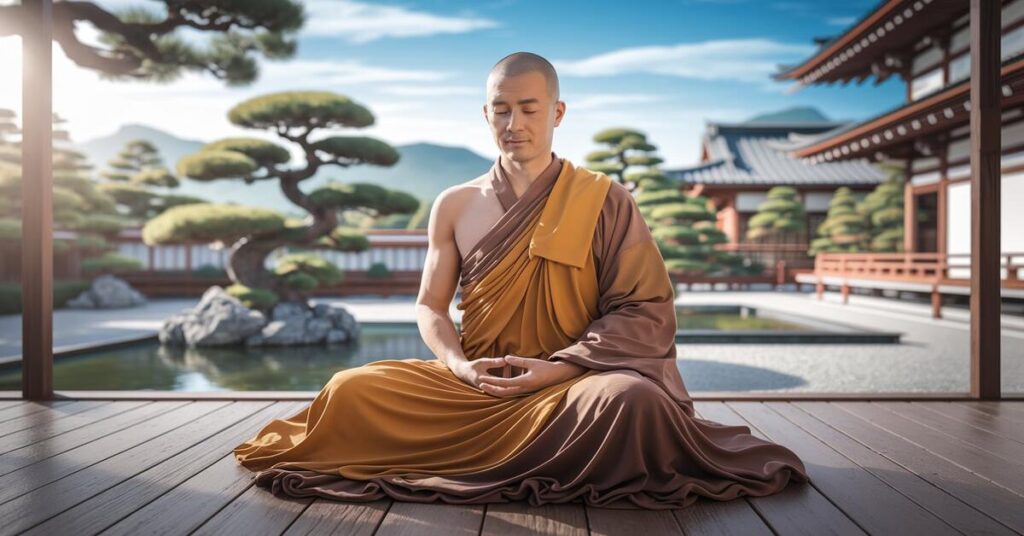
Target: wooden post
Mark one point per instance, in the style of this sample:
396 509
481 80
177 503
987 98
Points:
986 122
909 217
37 202
936 302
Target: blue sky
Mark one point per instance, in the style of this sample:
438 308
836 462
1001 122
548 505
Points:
663 67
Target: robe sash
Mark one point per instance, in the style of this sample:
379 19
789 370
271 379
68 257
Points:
543 292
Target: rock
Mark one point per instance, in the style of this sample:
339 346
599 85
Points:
107 292
218 320
284 332
316 330
171 333
336 336
286 310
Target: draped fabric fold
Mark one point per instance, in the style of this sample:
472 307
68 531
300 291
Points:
569 272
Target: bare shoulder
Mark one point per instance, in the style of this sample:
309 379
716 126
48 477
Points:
454 199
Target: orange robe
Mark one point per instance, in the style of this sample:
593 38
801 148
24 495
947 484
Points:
569 272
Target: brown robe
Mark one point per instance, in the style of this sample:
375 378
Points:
621 435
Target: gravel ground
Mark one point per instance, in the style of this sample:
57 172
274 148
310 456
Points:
933 354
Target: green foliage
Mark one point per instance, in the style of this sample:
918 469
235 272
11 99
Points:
147 46
298 108
10 230
253 298
627 148
320 270
421 218
844 228
300 281
293 116
159 177
93 243
684 229
358 149
63 290
883 210
104 224
110 262
210 223
348 239
358 196
778 218
258 150
378 270
216 164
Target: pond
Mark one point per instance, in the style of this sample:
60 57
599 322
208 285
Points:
147 365
730 324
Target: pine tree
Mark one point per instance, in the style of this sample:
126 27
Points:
844 229
254 233
883 209
778 218
626 148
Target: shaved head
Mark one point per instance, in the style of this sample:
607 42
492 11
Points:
526 62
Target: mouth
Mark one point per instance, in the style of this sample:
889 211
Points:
515 142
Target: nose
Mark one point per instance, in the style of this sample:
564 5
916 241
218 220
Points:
513 122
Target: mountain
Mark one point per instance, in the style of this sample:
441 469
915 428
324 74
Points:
423 169
796 114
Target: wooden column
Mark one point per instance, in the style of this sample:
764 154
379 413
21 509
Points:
985 183
909 219
37 202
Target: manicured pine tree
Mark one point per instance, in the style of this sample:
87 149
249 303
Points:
78 204
140 42
254 233
844 229
625 148
883 209
135 181
779 217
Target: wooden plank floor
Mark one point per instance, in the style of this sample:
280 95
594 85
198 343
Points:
165 467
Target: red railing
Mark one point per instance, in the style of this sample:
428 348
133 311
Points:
938 268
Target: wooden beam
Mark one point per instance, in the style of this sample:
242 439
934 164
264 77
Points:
37 202
986 122
909 210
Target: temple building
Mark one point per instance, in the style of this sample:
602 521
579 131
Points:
926 44
740 162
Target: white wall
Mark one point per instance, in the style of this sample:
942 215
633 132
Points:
958 209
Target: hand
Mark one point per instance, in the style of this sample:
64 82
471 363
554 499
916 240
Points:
477 370
538 374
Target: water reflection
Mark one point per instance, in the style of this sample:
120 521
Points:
149 366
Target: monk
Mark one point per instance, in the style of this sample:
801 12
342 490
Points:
562 385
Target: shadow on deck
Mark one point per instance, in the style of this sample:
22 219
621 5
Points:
165 466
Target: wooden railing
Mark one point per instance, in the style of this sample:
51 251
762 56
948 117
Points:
940 268
185 284
936 270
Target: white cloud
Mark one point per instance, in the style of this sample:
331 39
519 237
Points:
840 21
195 106
741 60
604 100
432 91
360 22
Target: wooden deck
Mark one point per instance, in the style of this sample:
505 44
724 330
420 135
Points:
165 467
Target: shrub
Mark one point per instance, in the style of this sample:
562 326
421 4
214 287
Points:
253 298
378 270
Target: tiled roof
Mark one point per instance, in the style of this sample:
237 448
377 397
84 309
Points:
752 153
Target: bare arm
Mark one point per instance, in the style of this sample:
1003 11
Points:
440 279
